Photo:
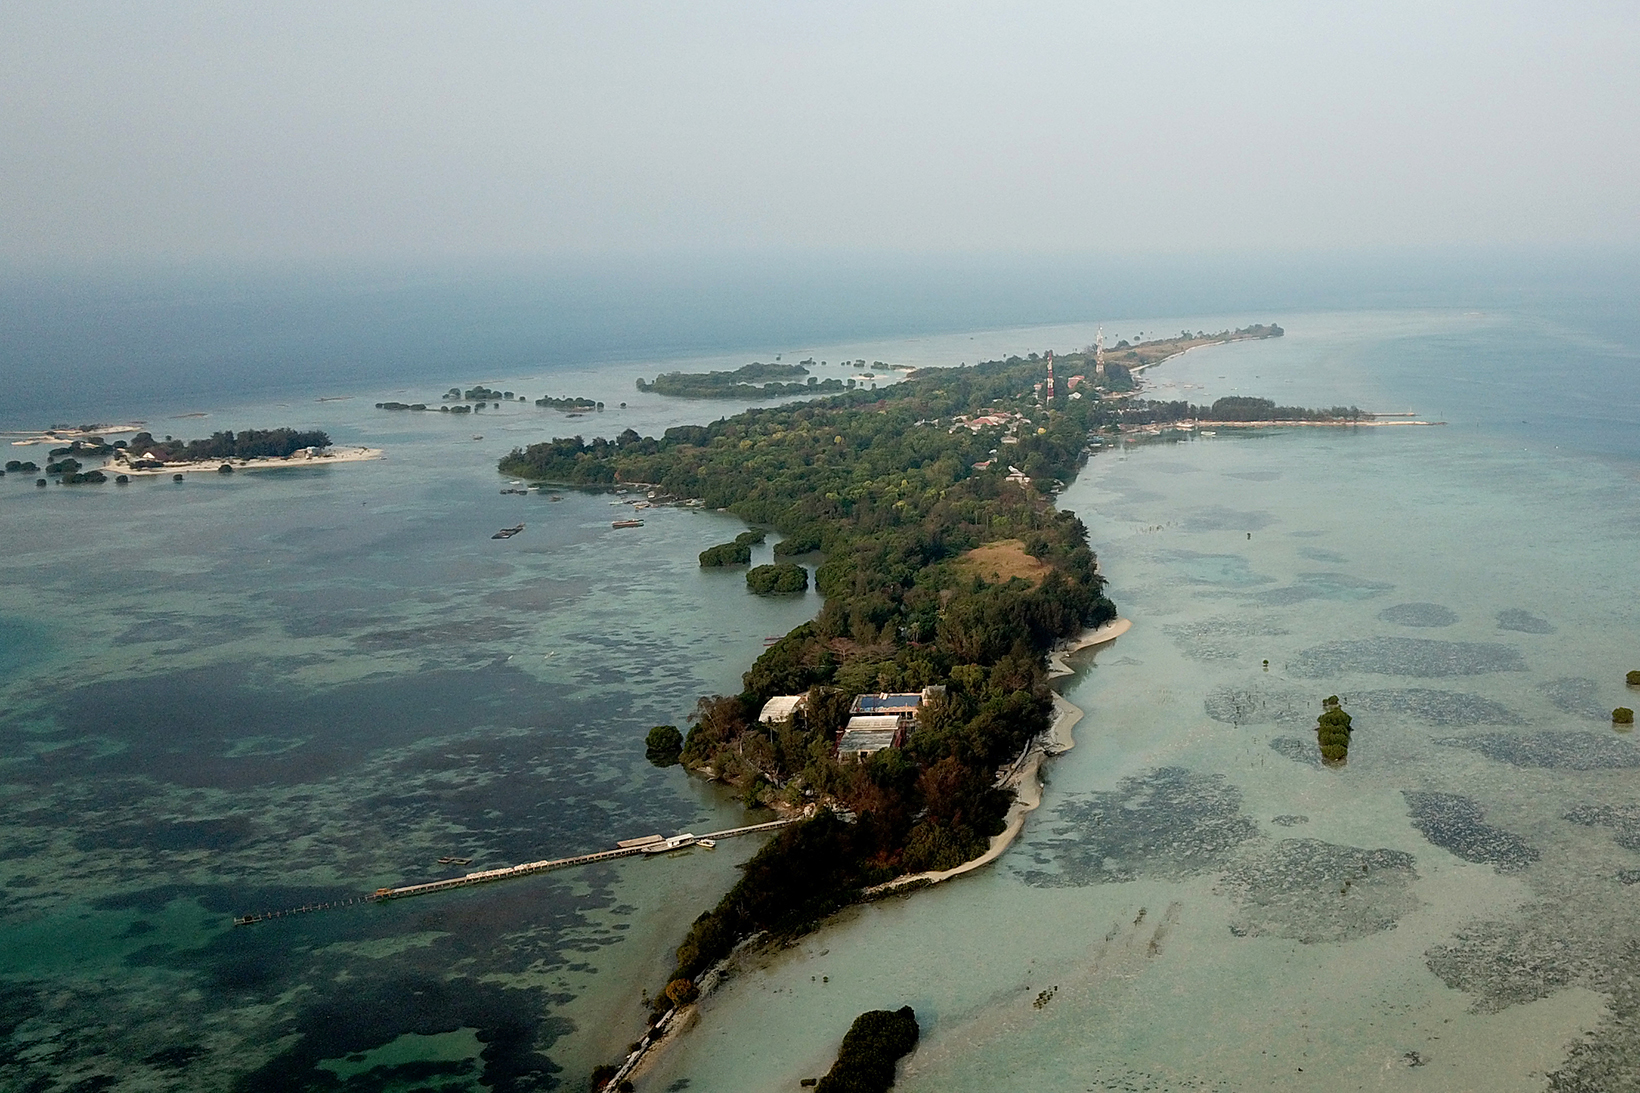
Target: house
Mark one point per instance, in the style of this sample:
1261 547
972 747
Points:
878 721
867 734
780 709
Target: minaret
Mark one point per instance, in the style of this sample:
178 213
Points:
1050 377
1099 352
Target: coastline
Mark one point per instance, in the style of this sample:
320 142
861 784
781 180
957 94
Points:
1024 775
117 465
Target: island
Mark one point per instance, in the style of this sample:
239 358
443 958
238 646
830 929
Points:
742 383
888 726
247 450
481 396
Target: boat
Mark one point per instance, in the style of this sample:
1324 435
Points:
626 524
508 533
707 844
455 861
555 497
676 842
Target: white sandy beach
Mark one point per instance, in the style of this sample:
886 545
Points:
117 463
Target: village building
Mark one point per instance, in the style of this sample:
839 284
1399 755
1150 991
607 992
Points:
879 721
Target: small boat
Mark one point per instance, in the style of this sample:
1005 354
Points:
1209 432
455 861
707 844
676 842
554 497
626 524
508 533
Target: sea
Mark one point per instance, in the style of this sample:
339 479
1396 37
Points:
279 690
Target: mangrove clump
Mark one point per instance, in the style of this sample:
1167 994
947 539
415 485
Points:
1332 732
663 745
1622 716
780 579
735 553
872 1047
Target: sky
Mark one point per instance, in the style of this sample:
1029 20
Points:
177 132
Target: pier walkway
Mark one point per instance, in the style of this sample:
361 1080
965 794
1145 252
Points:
486 876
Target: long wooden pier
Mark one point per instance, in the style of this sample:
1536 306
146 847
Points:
487 876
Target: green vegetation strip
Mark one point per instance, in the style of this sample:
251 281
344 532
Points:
894 487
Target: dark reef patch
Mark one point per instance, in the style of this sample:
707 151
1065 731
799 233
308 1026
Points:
1507 963
1219 518
1523 622
1576 695
1435 707
1313 891
1298 750
1258 706
1169 822
354 1017
1418 657
1624 819
1552 750
1316 554
1223 638
1428 615
1456 824
1321 586
1225 570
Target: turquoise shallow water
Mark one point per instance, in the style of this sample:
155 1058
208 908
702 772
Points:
1204 905
252 692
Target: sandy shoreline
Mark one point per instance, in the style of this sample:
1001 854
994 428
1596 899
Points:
116 464
1023 777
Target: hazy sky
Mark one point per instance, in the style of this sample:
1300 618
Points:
179 131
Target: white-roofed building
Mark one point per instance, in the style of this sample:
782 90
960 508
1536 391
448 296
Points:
867 734
781 708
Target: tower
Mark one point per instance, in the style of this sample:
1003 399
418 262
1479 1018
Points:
1050 377
1099 352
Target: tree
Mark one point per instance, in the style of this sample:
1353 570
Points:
663 745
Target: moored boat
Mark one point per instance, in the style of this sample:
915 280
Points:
627 524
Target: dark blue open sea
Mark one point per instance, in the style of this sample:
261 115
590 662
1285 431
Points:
248 692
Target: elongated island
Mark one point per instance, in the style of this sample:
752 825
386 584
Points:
948 577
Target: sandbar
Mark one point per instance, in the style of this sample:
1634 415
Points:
118 464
